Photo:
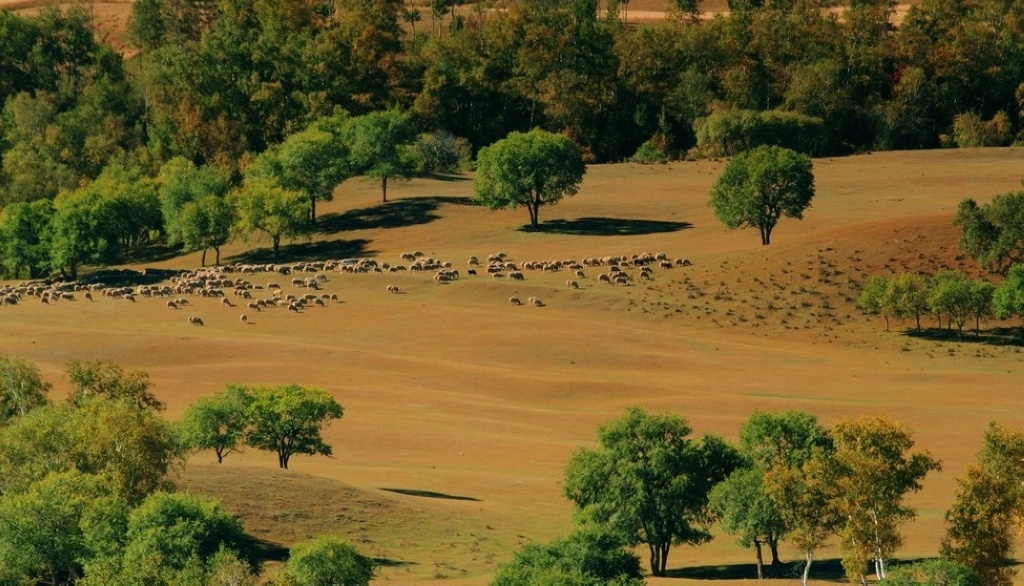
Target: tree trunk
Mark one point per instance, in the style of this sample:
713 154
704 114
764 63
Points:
312 210
384 188
220 455
282 460
773 545
917 314
807 566
216 249
766 236
760 560
277 246
202 261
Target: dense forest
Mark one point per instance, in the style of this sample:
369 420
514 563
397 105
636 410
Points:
230 92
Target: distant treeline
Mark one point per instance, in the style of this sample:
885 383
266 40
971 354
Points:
219 83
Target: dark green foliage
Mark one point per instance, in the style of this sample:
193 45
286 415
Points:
730 132
327 560
994 232
648 483
22 388
215 423
1008 298
108 380
585 558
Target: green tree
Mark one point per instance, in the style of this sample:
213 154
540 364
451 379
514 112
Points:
936 572
994 232
649 482
96 378
288 420
982 524
534 169
951 293
24 238
77 235
381 146
327 560
172 536
22 387
215 423
876 298
872 470
206 224
746 509
265 206
791 447
910 296
1008 297
588 557
758 187
41 536
180 183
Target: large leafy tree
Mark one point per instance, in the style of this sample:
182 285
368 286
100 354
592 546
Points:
791 448
288 419
24 238
327 560
761 186
993 233
649 481
872 470
264 206
313 161
215 423
1008 297
22 387
530 169
381 146
96 378
588 557
745 509
984 521
206 224
180 183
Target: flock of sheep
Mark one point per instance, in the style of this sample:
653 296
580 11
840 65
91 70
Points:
233 284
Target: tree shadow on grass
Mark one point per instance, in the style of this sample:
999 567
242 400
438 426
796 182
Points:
393 214
830 570
262 551
606 227
430 494
390 563
1003 336
321 250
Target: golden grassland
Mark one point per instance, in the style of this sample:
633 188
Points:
461 410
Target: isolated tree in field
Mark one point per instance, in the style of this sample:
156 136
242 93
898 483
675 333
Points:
381 146
792 448
264 206
588 557
532 169
649 482
872 469
96 378
760 186
215 423
288 419
988 513
1008 297
745 509
327 560
994 232
22 388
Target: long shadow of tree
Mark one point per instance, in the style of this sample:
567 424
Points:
607 227
321 250
830 570
1004 336
394 214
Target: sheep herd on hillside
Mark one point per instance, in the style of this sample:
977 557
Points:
233 284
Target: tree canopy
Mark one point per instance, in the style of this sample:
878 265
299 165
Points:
287 420
760 186
532 169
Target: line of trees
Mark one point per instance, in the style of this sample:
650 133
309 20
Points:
949 295
649 483
85 497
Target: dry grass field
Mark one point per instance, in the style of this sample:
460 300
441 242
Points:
462 409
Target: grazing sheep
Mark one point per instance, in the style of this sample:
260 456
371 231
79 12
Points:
254 307
408 256
226 302
130 297
683 262
172 305
195 320
516 276
244 318
319 302
293 307
88 295
514 301
580 274
572 284
471 272
535 302
605 278
392 288
497 275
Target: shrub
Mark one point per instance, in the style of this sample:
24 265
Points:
327 560
648 154
443 152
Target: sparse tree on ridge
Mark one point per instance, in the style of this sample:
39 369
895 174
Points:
532 169
215 423
760 186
